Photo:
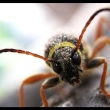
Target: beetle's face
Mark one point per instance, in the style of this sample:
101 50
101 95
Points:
67 66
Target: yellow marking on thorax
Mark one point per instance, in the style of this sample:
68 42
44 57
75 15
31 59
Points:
59 45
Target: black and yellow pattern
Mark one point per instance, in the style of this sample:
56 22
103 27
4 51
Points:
59 48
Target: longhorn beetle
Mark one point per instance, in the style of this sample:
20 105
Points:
68 57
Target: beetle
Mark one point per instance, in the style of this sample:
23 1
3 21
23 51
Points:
68 58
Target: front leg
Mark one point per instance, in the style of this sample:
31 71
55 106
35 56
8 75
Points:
31 80
51 82
95 63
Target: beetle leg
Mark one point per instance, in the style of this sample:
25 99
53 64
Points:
100 41
99 45
99 29
47 84
97 62
30 80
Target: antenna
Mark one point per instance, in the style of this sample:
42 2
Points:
87 24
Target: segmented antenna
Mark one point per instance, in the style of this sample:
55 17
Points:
23 52
50 60
87 24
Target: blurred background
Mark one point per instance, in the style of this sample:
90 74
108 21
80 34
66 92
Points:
28 26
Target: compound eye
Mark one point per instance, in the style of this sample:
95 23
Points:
56 67
76 59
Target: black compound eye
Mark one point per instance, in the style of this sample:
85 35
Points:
76 59
56 67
